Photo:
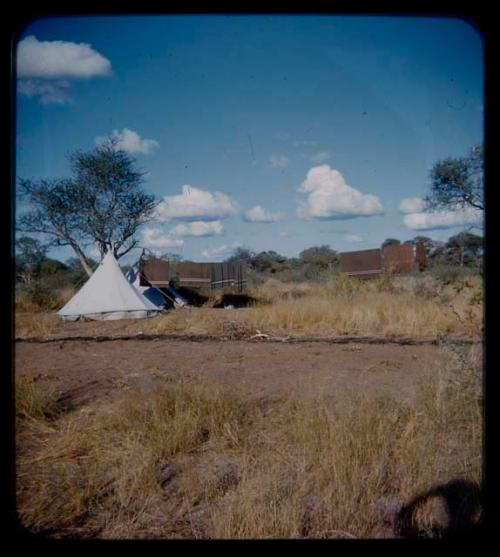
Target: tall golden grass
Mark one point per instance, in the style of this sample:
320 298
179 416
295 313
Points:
400 306
187 460
397 306
34 318
385 306
34 324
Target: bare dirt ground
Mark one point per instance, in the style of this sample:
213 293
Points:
88 371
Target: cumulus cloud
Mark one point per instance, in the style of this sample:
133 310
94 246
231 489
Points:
353 238
220 251
259 214
279 161
45 68
329 197
48 92
459 216
199 228
412 205
320 156
59 60
154 238
130 141
195 204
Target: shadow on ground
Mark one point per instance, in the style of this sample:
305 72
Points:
235 300
462 516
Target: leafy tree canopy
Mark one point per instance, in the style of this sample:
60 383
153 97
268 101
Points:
458 182
391 242
323 257
241 253
102 203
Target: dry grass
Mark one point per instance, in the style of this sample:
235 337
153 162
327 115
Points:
34 404
403 306
384 306
188 460
40 299
35 324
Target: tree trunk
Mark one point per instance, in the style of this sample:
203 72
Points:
82 258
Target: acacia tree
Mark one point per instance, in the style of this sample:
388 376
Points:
102 203
458 182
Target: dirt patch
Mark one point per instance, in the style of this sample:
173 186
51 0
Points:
87 371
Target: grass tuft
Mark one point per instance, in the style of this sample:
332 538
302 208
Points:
185 460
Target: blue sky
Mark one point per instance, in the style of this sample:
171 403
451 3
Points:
326 123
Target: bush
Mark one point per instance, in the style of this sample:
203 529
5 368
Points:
344 286
423 290
36 297
451 273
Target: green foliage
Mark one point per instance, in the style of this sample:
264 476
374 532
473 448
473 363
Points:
463 250
51 267
447 274
321 257
241 254
458 181
102 203
37 294
111 197
269 262
391 242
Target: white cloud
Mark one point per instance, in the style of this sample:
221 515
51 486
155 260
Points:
154 238
329 197
49 92
279 161
45 68
199 228
353 238
195 204
130 141
259 214
59 60
220 251
320 156
459 216
412 205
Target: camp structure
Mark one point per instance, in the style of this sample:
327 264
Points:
190 274
397 259
154 295
162 297
107 295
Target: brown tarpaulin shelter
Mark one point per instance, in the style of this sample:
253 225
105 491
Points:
400 259
193 275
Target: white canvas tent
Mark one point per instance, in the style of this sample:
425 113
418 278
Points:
108 295
152 294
